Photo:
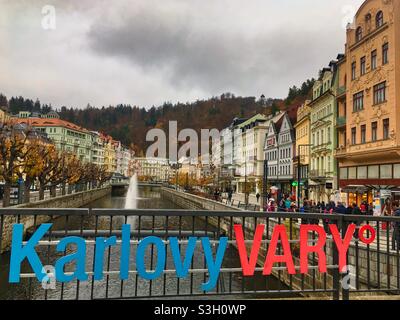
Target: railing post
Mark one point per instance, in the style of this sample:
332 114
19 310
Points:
345 289
336 271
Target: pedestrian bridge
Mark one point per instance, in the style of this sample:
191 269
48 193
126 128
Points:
307 253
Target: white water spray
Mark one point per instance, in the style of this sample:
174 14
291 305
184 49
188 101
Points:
132 198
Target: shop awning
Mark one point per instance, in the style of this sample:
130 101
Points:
355 189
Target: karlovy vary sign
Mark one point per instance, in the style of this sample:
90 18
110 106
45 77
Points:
21 251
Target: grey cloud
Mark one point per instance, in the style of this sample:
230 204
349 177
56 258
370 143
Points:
193 55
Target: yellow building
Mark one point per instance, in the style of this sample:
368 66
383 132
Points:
302 128
4 116
110 154
369 142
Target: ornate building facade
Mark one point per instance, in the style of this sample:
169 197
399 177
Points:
369 150
323 182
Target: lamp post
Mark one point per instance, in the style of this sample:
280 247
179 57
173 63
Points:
20 187
299 172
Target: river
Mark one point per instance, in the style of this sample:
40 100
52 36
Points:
112 286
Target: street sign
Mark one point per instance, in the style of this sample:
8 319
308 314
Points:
329 186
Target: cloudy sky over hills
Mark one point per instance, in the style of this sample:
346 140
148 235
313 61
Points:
145 52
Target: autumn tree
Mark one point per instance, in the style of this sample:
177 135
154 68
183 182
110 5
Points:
13 149
49 163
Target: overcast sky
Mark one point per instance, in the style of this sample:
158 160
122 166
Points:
145 52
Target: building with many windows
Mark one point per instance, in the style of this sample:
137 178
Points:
4 116
279 151
65 135
152 169
369 151
322 175
303 141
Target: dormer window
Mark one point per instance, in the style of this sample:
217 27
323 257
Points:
379 19
359 34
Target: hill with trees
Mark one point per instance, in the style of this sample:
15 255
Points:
129 124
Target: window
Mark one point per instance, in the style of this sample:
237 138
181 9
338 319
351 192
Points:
379 19
380 93
353 71
363 133
359 34
374 131
353 136
358 101
362 173
386 129
374 57
385 53
343 173
396 171
353 173
329 135
373 172
363 66
386 171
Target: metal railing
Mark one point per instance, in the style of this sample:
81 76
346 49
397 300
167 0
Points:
375 267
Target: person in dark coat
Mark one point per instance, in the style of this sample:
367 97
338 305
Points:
396 231
340 209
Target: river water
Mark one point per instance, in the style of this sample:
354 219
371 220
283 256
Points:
112 286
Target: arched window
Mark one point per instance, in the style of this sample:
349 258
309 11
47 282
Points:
379 19
359 34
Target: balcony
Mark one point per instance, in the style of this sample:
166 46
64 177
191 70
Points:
319 175
322 147
341 91
341 122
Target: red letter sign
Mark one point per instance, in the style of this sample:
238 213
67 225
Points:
342 246
248 266
305 249
279 232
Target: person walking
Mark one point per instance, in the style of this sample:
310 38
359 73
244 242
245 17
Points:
258 197
396 231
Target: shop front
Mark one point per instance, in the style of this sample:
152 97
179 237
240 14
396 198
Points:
358 195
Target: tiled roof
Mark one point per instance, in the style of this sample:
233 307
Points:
40 122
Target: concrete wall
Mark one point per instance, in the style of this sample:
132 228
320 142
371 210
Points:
75 200
190 201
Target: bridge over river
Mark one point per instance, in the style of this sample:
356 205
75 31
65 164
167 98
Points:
375 266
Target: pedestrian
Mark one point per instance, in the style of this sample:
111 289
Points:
340 209
258 197
288 204
230 196
363 208
396 230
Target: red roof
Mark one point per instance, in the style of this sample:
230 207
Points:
42 122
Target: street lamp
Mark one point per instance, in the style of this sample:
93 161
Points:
299 171
20 186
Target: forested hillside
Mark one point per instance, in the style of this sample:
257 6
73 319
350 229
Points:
129 124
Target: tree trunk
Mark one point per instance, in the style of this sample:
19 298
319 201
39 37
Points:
53 191
27 191
63 189
6 196
41 192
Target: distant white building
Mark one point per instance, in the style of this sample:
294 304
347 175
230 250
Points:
279 151
251 168
124 158
152 169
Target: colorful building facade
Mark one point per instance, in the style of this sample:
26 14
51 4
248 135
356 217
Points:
322 175
369 155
